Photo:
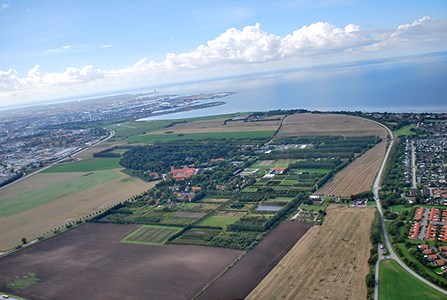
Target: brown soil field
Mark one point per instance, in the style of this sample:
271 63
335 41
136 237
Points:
328 124
217 125
48 216
329 262
240 279
88 262
358 176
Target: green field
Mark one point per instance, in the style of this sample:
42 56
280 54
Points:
405 131
148 138
196 236
11 205
151 235
88 165
316 207
396 284
218 221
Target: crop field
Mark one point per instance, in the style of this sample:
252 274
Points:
196 236
89 262
397 284
328 124
358 176
47 201
151 235
240 279
329 262
218 221
151 138
87 165
218 125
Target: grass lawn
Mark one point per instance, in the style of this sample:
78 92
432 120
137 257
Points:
405 131
88 165
218 221
26 200
315 207
151 235
396 283
400 207
148 138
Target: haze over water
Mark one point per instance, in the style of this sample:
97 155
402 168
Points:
417 85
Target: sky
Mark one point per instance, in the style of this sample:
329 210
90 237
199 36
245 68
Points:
58 49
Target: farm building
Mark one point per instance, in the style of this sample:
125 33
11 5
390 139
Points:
182 174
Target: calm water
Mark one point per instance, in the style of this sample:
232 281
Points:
410 85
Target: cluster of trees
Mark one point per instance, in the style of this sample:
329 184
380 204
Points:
160 157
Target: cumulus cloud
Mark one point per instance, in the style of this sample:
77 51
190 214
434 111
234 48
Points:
238 49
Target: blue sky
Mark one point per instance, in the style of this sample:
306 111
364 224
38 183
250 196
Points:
52 49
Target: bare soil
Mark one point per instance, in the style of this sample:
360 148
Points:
89 262
239 280
329 262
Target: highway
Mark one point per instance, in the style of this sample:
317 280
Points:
392 254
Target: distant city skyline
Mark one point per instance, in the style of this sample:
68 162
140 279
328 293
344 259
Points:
58 49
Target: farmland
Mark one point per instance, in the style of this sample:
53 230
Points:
241 278
330 261
328 124
358 176
151 235
396 284
87 165
75 264
48 201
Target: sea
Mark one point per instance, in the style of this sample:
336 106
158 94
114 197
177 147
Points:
406 84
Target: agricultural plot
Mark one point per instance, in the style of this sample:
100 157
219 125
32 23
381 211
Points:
329 262
328 124
47 201
219 221
151 235
75 264
396 284
358 176
196 236
88 165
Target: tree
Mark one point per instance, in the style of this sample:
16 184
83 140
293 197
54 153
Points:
24 241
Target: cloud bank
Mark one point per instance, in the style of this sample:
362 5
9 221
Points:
236 51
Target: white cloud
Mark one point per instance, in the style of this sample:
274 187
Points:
237 51
4 5
60 49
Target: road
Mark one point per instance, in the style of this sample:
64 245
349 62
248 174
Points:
392 254
413 164
110 134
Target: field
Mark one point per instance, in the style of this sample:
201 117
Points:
238 281
397 284
328 124
405 131
47 201
151 138
329 262
89 262
87 165
151 235
358 176
218 221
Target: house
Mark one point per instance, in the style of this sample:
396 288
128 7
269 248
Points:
423 247
432 257
427 251
440 262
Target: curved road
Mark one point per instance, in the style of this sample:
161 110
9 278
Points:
392 254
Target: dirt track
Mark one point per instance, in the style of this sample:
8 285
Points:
89 262
237 282
329 262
